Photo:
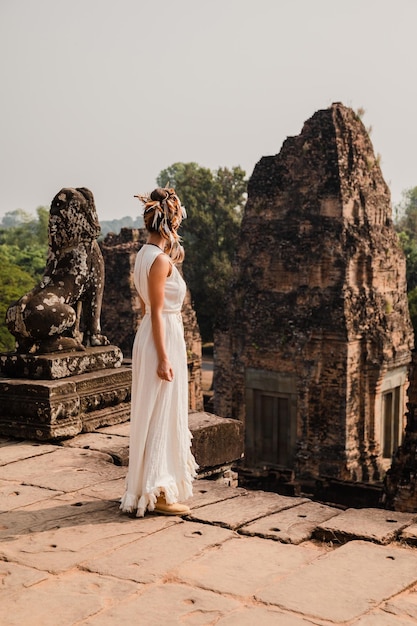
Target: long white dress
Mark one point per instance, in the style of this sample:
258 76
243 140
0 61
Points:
160 457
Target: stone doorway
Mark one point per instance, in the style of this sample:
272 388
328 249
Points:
271 426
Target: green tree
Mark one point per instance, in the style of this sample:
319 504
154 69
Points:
23 250
406 213
214 203
406 226
14 282
24 240
42 225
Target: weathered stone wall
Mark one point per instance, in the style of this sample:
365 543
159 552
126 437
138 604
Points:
318 296
121 313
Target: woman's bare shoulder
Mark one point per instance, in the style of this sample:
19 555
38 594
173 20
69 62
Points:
161 265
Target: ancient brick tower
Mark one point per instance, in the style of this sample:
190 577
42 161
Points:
313 346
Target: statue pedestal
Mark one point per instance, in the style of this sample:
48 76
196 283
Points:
57 365
53 396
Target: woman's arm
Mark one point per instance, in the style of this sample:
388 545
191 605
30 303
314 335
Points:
157 278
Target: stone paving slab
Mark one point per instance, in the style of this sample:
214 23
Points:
73 540
405 604
409 535
263 616
114 445
69 556
48 514
168 605
13 495
346 583
292 525
64 469
210 492
238 512
16 451
246 564
63 600
382 619
122 430
151 558
111 490
375 525
13 576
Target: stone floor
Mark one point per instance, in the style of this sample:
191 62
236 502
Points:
242 558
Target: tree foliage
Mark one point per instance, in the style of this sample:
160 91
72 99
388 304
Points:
24 240
23 250
14 282
406 226
406 213
214 203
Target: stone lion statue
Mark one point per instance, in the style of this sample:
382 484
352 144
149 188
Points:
63 311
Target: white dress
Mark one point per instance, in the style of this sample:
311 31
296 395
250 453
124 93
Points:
160 457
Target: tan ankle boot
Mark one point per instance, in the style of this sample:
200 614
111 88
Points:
162 507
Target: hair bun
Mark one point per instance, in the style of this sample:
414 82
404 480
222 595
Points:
159 194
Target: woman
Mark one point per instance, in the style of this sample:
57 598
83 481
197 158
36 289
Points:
161 466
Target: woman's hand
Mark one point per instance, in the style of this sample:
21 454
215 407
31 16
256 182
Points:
165 371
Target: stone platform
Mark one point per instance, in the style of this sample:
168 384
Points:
57 365
53 396
69 556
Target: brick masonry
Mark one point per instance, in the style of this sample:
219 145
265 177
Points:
317 312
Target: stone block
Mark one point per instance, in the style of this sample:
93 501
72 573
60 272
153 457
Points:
237 512
65 469
375 525
14 496
405 604
145 561
122 429
169 603
19 450
409 535
59 510
209 492
291 525
13 577
345 583
114 445
84 536
55 409
59 364
380 618
108 491
265 616
217 441
63 600
246 564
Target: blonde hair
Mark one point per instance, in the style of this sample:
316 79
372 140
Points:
163 214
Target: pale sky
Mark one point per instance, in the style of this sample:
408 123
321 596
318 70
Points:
106 93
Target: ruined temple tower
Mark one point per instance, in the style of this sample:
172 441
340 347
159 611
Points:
313 346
